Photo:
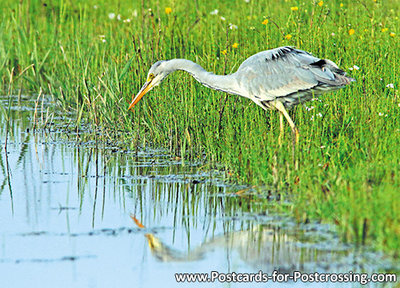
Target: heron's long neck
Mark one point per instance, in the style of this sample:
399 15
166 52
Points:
226 83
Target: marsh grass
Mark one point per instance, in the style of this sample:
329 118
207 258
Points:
348 153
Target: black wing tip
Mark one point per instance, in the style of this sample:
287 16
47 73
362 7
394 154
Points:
320 63
281 52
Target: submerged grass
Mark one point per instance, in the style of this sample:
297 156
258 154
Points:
92 56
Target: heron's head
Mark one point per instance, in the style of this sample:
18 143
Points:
156 75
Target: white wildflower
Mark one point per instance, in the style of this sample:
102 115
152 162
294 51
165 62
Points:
232 26
135 13
310 108
119 17
322 147
333 34
223 18
356 67
247 1
380 114
127 20
95 7
319 114
391 85
111 15
214 12
104 40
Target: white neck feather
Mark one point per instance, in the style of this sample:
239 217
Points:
226 83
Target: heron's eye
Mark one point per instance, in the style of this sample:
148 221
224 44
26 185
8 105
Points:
151 76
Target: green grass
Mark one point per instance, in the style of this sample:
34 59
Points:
348 158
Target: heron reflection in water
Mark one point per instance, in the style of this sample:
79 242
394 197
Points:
260 247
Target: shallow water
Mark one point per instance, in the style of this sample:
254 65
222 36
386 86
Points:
79 213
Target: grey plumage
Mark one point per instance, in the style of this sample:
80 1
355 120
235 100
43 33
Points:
288 75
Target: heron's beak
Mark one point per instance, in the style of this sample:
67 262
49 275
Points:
146 87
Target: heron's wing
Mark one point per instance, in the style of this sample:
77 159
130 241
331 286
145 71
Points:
284 71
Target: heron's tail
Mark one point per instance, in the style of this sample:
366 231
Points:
330 74
342 79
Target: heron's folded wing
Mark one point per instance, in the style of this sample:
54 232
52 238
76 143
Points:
280 72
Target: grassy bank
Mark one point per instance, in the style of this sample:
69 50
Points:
93 56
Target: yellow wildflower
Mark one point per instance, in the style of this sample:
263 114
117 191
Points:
352 31
235 45
288 37
168 10
265 22
320 3
295 8
341 4
392 34
224 52
385 29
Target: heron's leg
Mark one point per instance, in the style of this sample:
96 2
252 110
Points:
281 128
278 105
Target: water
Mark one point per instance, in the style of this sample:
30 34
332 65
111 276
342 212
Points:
75 212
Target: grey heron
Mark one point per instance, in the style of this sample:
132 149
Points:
276 79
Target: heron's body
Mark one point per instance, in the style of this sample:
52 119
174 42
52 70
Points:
287 75
274 79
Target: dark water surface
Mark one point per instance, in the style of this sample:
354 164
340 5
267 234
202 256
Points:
68 207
